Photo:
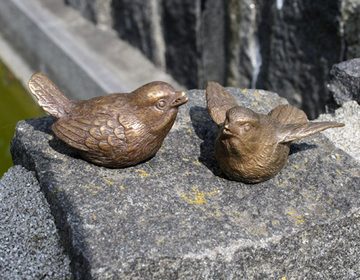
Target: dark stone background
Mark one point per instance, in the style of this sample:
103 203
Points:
200 40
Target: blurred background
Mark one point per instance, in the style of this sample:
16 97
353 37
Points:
90 47
15 105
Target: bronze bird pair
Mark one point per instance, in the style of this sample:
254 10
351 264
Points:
120 130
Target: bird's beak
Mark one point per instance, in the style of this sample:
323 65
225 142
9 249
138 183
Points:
180 99
227 130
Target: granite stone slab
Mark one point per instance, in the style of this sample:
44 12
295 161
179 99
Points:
30 247
177 217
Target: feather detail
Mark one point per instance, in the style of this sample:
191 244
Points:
287 114
89 136
219 101
292 132
48 96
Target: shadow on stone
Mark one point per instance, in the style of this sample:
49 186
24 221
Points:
42 124
63 148
300 147
80 266
206 130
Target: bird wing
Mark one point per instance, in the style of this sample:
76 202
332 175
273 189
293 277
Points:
287 114
219 101
98 133
291 132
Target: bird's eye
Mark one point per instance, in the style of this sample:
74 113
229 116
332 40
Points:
244 125
161 104
247 126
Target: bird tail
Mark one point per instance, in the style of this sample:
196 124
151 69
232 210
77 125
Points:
48 96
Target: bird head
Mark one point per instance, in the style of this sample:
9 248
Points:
158 103
241 130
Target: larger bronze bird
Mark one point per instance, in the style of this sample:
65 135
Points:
253 147
115 130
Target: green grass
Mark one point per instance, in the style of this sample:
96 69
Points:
15 104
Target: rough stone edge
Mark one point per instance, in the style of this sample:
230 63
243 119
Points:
48 42
32 174
23 156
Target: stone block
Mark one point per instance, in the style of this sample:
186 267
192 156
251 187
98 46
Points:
177 217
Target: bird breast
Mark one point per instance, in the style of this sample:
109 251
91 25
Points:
252 166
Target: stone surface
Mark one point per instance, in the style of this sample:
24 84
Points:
30 246
176 216
345 81
348 139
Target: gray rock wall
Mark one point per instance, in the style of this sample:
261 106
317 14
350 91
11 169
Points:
280 45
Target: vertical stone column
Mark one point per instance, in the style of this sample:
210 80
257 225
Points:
301 42
181 23
243 47
194 33
212 66
139 23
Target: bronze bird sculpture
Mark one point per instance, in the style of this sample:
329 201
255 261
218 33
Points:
252 147
115 130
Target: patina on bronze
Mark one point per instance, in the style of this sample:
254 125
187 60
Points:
115 130
253 147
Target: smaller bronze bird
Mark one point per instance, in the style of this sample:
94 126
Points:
253 147
115 130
